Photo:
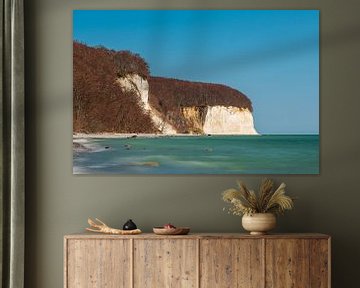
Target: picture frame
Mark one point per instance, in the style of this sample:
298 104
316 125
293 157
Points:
191 103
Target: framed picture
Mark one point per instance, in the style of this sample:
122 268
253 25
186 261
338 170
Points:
196 92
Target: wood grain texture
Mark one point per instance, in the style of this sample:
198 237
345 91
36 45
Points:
231 263
319 263
66 262
287 263
197 260
166 263
98 264
88 235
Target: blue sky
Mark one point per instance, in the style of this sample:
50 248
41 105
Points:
270 55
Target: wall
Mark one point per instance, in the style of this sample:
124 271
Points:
59 203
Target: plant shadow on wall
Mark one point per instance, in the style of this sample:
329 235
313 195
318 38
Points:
258 210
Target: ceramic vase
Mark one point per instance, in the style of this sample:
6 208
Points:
259 223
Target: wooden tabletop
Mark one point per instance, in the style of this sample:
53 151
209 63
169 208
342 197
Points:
89 235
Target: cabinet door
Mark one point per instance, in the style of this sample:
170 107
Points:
231 263
287 263
98 263
165 263
320 263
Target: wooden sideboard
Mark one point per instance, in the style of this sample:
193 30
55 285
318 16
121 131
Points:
197 260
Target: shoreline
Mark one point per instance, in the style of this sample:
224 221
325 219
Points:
128 135
79 136
147 135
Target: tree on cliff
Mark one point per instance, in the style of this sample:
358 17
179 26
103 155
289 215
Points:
130 63
169 96
100 105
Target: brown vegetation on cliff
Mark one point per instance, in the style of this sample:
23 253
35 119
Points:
99 104
128 63
170 96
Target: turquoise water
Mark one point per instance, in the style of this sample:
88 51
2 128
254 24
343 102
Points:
266 154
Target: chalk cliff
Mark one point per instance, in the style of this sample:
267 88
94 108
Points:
199 119
195 117
115 93
140 86
229 120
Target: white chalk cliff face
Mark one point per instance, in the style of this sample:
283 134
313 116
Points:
229 120
217 120
140 86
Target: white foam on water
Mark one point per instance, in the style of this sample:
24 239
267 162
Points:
99 166
80 140
192 163
80 170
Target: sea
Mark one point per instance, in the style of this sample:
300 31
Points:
255 154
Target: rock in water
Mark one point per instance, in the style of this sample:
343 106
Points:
145 164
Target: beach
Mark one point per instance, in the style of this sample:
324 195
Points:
141 135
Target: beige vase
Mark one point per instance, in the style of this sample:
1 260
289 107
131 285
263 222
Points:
259 223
